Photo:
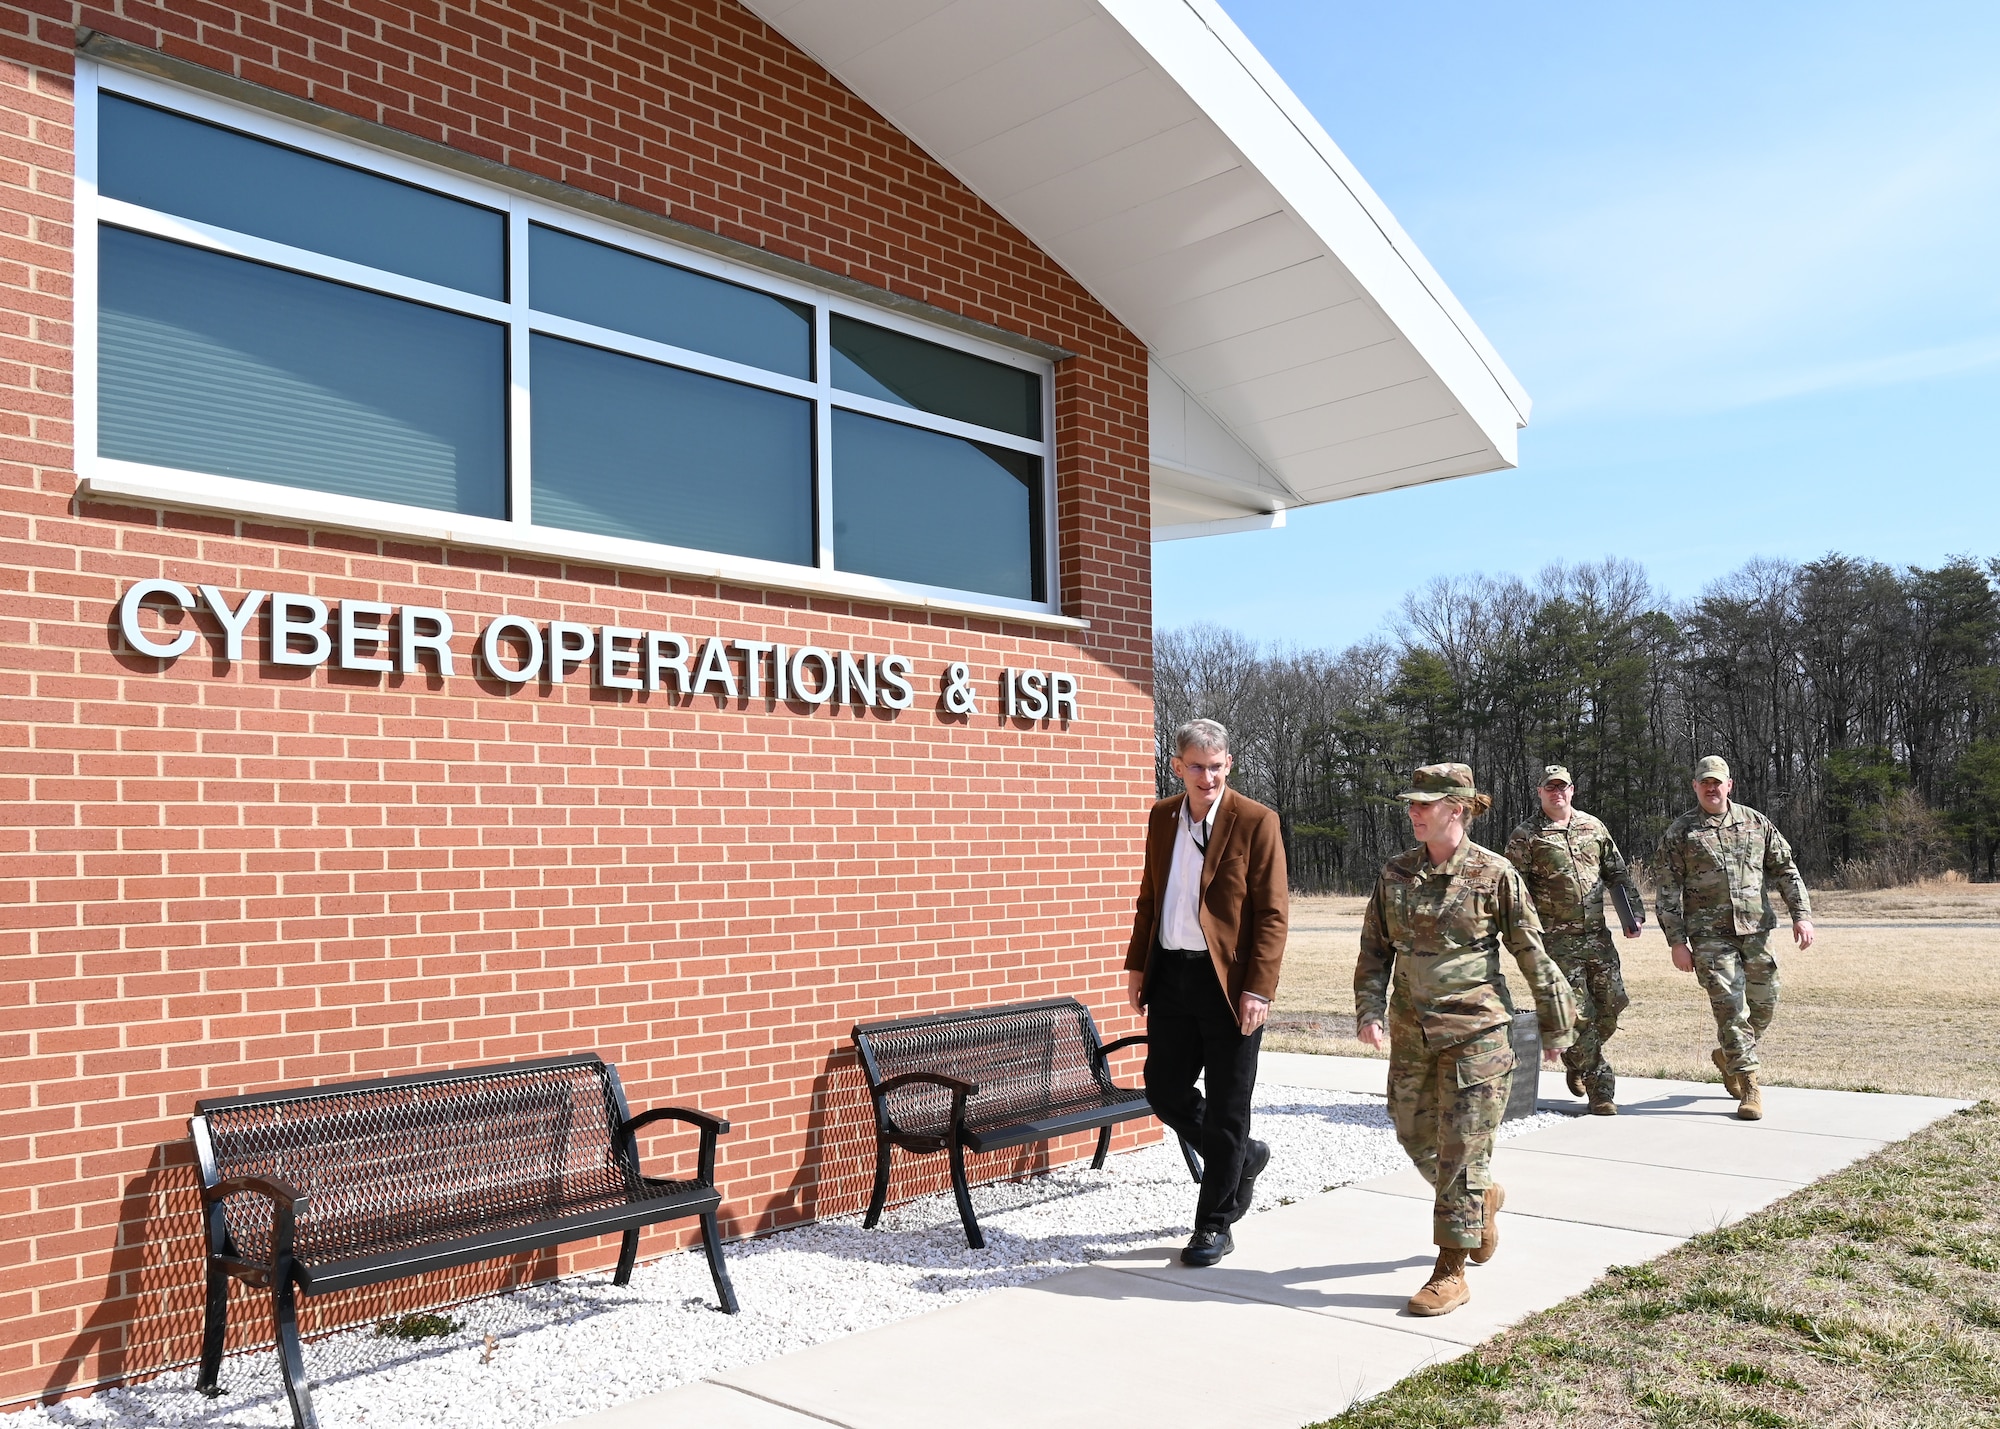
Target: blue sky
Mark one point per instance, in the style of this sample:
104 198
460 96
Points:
1745 259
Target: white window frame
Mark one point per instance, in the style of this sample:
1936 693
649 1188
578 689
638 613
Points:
107 477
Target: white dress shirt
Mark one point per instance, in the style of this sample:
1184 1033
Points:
1180 913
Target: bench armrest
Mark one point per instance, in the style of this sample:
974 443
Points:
286 1203
1104 1057
711 1128
1120 1045
718 1124
959 1090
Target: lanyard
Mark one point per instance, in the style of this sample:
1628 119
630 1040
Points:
1199 840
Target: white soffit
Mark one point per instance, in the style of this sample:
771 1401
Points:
1308 351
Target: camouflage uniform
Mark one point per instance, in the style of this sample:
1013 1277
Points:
1430 969
1567 867
1716 871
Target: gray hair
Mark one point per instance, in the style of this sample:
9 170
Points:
1201 734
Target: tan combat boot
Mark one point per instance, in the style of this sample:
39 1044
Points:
1730 1082
1490 1241
1751 1096
1446 1290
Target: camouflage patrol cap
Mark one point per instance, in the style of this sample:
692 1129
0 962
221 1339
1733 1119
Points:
1440 781
1556 774
1712 766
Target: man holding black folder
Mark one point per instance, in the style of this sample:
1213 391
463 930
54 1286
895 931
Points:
1569 860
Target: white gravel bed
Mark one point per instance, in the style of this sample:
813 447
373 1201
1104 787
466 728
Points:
550 1352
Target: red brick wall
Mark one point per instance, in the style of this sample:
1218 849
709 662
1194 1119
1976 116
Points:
223 878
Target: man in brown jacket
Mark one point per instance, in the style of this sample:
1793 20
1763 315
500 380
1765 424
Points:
1207 938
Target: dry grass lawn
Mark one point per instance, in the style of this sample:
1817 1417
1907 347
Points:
1866 1301
1900 993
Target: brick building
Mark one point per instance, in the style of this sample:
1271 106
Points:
614 526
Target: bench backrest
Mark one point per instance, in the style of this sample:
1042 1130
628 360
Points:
1023 1058
415 1158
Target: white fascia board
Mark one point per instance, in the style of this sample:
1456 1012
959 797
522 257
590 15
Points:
1301 118
1212 61
1192 529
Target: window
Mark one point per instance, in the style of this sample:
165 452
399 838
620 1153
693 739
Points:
627 447
938 510
280 306
160 160
931 378
215 364
611 288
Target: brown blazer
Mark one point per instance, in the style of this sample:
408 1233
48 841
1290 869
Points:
1245 902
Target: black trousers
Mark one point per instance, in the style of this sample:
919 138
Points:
1192 1032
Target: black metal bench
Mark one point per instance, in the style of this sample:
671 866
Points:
318 1189
988 1079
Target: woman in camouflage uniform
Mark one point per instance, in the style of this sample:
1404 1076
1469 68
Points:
1430 970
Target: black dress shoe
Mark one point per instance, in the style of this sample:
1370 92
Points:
1255 1158
1207 1248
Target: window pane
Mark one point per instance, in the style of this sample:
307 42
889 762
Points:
214 364
626 447
595 283
911 373
920 506
212 175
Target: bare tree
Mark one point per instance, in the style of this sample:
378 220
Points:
1199 672
1857 704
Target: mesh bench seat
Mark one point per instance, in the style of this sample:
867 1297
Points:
991 1078
318 1189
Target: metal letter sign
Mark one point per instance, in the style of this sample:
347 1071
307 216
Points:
162 619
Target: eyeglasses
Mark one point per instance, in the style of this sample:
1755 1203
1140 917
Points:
1555 784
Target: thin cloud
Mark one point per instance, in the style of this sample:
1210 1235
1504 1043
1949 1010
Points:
1730 280
1920 365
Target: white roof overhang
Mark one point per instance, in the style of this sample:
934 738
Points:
1302 348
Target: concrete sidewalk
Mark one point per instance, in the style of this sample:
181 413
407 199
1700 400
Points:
1308 1313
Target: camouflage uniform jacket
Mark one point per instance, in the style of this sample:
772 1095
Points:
1716 871
1567 868
1430 949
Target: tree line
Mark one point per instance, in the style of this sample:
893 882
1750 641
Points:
1857 704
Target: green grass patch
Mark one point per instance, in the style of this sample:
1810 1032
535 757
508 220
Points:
1633 1277
1737 1372
1472 1372
1917 1277
1981 1311
1869 1299
1674 1409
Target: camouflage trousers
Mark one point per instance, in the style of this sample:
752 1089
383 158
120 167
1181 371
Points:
1590 962
1446 1103
1740 976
